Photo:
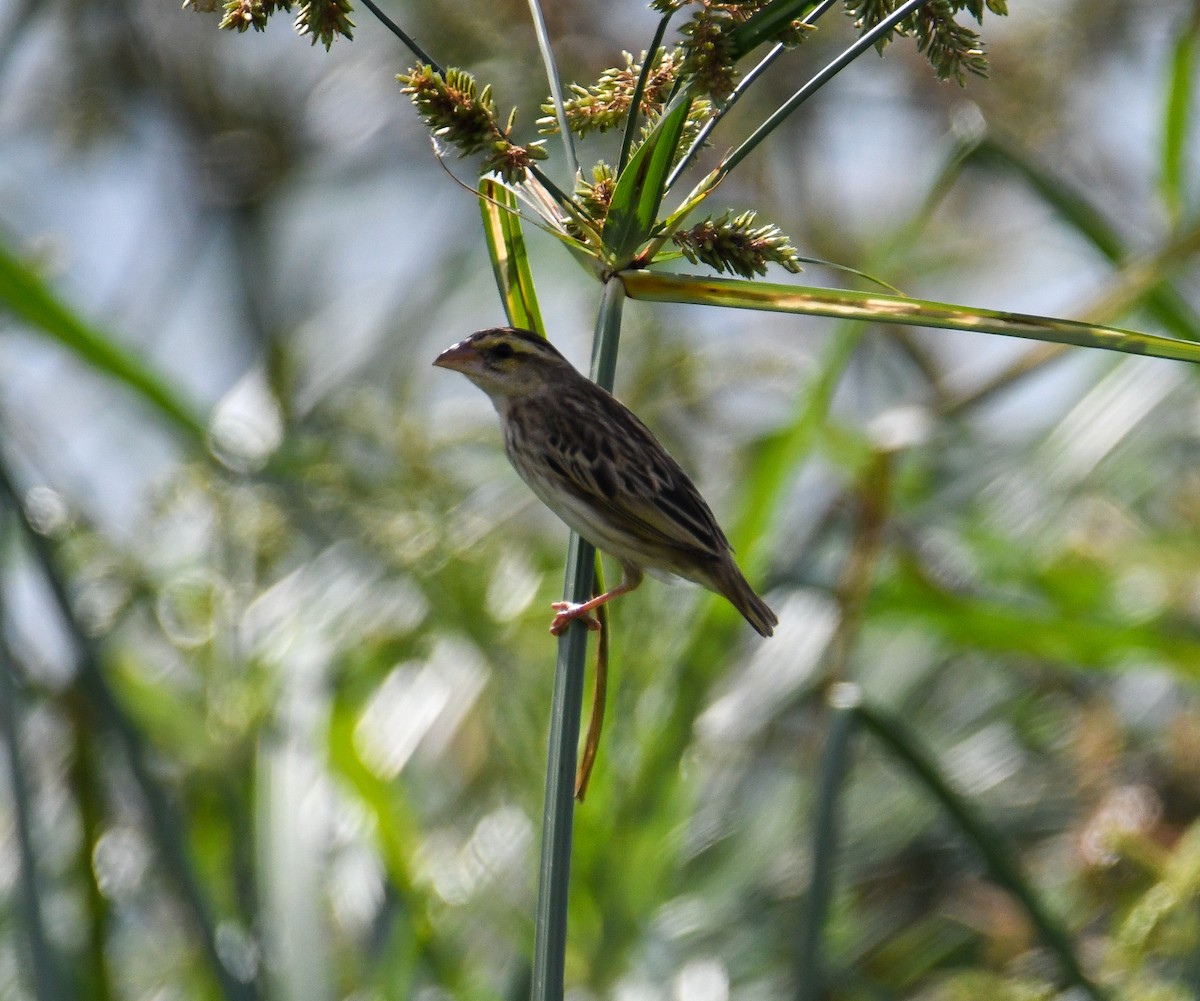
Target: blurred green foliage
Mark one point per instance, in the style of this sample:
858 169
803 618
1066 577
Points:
288 739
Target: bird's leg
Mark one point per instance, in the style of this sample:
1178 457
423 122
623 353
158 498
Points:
569 611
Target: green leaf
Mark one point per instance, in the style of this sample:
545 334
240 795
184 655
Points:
1043 633
640 188
1175 123
1163 301
875 307
767 23
27 298
510 262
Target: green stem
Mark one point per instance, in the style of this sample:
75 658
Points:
558 814
44 974
407 39
560 112
892 734
88 793
817 82
743 85
825 839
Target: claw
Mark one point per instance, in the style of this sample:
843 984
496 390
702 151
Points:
568 612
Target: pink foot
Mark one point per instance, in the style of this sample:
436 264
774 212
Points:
568 612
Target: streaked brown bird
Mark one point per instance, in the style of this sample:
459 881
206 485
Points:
601 470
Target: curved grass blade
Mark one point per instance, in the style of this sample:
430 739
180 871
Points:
875 307
510 262
639 189
892 734
30 300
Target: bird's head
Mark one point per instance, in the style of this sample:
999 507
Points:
506 363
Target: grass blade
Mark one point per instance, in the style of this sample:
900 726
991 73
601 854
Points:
543 40
30 300
635 103
640 188
834 764
510 261
879 308
1176 119
1163 302
44 974
558 814
904 748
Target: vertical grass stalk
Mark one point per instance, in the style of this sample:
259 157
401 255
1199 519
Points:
834 764
558 813
556 96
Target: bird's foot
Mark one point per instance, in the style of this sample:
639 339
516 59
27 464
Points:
568 612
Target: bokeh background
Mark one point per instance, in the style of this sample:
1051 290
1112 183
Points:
293 726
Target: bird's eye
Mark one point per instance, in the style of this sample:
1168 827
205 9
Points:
502 351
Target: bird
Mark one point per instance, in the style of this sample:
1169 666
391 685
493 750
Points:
590 460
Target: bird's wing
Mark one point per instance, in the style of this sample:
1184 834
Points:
615 464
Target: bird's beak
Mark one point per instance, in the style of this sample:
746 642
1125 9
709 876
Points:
455 358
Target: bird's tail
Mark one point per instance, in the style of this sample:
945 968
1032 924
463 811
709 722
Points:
730 582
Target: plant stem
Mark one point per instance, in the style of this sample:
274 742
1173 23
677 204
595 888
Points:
43 972
399 32
825 838
743 85
819 81
558 813
543 40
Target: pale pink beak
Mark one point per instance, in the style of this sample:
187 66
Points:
456 358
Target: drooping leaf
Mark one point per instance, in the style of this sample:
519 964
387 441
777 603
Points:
30 300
